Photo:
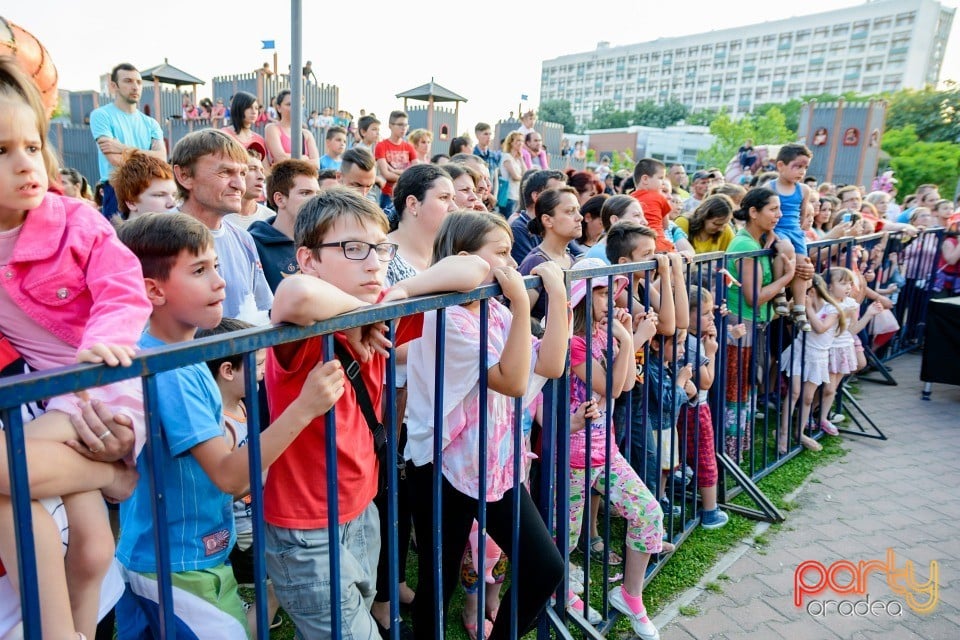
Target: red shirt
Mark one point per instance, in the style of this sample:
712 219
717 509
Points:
398 156
295 494
656 208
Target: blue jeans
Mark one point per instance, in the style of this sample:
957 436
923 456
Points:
298 562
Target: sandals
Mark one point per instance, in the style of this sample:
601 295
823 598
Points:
780 305
597 552
799 317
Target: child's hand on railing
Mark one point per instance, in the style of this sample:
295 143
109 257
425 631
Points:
645 327
552 276
511 282
737 331
112 355
684 375
710 344
322 389
586 413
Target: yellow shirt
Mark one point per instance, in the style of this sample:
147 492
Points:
720 243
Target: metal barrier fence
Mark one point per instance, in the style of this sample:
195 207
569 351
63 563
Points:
662 439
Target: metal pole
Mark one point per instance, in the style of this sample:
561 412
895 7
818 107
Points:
296 81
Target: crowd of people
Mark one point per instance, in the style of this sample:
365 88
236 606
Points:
229 231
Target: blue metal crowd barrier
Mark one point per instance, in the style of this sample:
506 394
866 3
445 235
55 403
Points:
751 368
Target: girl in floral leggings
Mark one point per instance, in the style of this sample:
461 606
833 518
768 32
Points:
628 496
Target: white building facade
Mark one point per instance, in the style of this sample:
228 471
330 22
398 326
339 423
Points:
883 45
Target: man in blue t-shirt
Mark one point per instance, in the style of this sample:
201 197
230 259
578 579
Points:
120 126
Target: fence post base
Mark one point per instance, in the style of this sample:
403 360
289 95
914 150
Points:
767 510
847 398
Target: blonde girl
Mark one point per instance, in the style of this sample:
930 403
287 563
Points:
807 362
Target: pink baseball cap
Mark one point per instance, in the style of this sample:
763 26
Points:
578 290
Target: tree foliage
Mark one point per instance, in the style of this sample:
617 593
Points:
917 162
769 128
646 114
934 114
558 111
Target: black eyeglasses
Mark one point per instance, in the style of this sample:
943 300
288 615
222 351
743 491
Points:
359 250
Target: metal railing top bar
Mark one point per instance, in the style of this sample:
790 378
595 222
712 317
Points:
16 390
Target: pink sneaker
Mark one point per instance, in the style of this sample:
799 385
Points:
829 428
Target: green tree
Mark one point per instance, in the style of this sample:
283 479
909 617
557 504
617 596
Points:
769 128
702 118
558 111
606 116
650 114
934 114
916 162
791 108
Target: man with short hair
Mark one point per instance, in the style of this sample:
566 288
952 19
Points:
698 190
251 210
358 171
532 152
490 155
290 185
680 180
393 156
119 126
210 168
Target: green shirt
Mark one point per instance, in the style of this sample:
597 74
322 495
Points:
742 242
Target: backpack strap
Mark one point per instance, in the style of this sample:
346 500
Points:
352 368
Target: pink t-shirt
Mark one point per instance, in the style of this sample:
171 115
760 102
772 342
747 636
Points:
578 395
40 348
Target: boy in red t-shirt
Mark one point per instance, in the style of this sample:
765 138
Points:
648 176
343 253
393 156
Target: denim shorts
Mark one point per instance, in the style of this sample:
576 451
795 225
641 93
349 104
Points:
298 562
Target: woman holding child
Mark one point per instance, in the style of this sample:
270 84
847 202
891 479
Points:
755 282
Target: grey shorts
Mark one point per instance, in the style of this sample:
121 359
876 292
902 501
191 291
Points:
298 562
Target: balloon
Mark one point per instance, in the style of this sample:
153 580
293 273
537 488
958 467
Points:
34 59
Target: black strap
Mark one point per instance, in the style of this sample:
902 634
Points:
352 368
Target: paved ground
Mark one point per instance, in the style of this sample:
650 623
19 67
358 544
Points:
900 494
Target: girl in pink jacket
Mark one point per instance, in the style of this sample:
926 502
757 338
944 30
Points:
69 292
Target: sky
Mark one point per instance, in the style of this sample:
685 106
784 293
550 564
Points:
485 51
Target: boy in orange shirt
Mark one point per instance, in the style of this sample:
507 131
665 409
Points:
648 176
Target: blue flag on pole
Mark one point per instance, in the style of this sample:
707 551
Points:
267 44
523 96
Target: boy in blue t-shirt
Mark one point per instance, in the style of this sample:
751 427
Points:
201 471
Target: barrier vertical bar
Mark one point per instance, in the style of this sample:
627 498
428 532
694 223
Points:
478 561
333 501
161 535
437 533
518 461
392 420
252 402
23 520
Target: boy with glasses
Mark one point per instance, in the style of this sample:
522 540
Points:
343 253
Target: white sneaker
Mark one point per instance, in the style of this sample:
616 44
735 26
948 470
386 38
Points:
593 616
576 573
642 626
575 585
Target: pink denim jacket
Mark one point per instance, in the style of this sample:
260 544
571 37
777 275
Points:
73 276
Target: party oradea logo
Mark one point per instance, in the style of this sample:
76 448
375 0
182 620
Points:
815 580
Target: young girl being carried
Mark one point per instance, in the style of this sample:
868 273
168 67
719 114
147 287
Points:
518 366
807 361
629 497
71 293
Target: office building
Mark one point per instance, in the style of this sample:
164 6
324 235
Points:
878 46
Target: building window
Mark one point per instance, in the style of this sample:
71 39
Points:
906 19
841 30
882 23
